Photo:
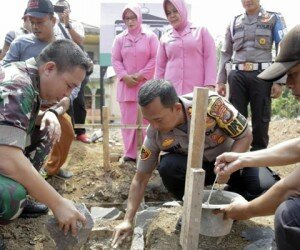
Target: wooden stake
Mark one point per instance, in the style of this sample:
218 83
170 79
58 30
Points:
195 175
105 129
93 104
139 131
193 204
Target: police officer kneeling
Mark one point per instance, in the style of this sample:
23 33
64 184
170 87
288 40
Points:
168 133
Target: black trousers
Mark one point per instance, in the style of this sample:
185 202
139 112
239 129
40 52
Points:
77 110
249 182
245 88
287 224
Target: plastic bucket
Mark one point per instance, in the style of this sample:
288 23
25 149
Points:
211 224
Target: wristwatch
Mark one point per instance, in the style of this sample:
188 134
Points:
68 26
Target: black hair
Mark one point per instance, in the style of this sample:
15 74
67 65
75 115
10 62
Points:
66 54
158 88
64 3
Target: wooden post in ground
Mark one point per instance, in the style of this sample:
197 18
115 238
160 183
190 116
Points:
195 175
94 91
105 130
139 131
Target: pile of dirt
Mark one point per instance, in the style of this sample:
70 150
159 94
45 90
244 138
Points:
95 186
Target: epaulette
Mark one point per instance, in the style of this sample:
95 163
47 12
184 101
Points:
151 132
232 24
273 12
238 15
277 14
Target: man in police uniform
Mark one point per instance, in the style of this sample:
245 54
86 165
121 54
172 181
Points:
283 198
248 43
59 68
169 117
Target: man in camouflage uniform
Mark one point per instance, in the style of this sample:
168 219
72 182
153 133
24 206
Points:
41 16
59 68
248 45
170 117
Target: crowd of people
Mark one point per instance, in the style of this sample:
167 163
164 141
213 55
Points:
43 73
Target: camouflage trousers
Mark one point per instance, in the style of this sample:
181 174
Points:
12 199
13 194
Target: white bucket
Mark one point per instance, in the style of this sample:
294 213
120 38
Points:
211 224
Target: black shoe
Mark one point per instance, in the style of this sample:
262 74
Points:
33 209
178 225
64 174
128 162
2 246
125 158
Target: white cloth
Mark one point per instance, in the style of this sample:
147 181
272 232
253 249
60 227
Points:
77 26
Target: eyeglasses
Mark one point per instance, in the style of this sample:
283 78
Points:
39 21
130 18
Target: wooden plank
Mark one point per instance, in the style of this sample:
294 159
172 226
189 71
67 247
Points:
193 209
190 217
105 144
139 130
93 105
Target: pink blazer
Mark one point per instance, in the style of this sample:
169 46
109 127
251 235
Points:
187 59
133 55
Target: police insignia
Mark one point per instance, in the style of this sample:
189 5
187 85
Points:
145 153
167 142
262 41
189 110
218 139
210 122
221 111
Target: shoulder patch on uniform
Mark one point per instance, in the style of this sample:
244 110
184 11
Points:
145 153
219 110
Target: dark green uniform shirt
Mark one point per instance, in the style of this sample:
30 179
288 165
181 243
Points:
19 102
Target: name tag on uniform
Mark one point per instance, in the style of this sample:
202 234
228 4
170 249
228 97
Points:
264 26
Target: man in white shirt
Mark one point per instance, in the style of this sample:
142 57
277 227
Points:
70 29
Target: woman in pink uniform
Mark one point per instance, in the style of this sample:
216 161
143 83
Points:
186 54
133 59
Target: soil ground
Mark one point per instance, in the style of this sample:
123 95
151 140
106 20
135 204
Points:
95 186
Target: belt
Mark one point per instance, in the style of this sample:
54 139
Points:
247 66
